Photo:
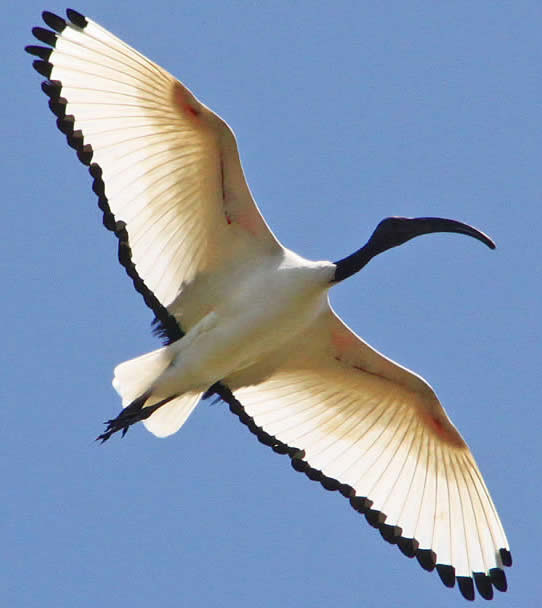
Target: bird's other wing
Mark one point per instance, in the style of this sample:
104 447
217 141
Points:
361 424
166 168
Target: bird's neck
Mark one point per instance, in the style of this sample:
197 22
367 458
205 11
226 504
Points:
354 262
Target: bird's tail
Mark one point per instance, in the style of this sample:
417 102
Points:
132 381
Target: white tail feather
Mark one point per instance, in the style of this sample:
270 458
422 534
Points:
170 417
134 377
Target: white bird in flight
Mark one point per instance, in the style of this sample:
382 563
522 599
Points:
250 321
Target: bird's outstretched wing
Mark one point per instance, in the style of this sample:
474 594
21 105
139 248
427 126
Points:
165 167
363 425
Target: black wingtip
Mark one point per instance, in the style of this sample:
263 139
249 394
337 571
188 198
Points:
361 504
66 124
408 546
76 18
466 587
75 139
375 518
85 153
506 557
447 574
299 464
347 490
391 534
279 448
42 67
45 36
51 88
95 171
312 474
427 559
483 584
330 484
54 21
498 578
264 438
38 51
57 105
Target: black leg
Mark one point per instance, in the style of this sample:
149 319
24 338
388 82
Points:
135 412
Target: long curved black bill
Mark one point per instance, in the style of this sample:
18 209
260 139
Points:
426 225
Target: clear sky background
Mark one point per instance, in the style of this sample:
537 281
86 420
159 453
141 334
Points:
345 112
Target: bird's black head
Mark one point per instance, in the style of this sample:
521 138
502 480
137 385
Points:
394 231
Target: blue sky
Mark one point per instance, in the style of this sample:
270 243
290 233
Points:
345 113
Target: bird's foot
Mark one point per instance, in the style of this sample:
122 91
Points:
135 412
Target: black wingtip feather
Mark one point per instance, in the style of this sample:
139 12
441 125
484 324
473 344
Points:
466 587
427 559
346 490
408 546
51 88
98 186
57 106
65 124
42 67
313 474
76 18
330 484
375 518
75 139
390 533
498 578
361 504
235 406
38 51
264 438
85 154
483 584
45 36
279 448
299 465
447 574
506 557
109 221
54 21
95 171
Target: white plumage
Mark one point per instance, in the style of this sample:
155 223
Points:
251 321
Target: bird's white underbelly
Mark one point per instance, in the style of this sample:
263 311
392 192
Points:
258 319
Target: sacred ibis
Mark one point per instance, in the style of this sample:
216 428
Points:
233 304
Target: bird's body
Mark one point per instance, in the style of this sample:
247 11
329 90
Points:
230 341
250 321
